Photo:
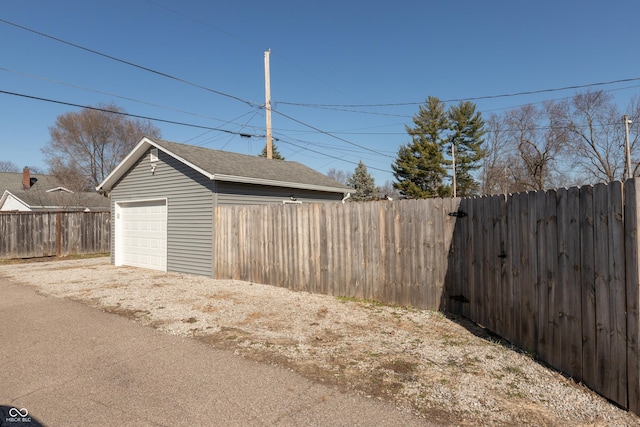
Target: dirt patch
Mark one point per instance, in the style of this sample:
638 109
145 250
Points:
444 368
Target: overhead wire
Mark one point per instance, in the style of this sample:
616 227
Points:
126 98
327 133
280 135
329 155
339 107
250 103
227 33
209 131
155 119
230 139
477 98
253 104
150 70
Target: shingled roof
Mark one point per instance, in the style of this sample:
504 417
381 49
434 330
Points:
226 166
12 181
47 193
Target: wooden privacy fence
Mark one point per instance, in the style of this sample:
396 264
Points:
391 252
41 234
555 272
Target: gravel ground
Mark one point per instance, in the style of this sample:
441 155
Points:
444 368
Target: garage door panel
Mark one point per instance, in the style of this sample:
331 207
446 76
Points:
143 236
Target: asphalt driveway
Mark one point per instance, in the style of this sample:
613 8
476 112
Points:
71 365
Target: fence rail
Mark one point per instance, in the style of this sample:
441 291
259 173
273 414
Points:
555 272
41 234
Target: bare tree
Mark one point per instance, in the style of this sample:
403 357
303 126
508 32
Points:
596 135
8 166
540 138
86 146
342 177
495 177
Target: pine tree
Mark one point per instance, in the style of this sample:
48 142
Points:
419 169
467 130
275 154
363 183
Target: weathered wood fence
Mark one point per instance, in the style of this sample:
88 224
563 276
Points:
41 234
555 272
392 252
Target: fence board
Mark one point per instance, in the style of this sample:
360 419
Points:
573 293
604 326
532 283
525 288
617 297
588 287
569 302
543 342
448 269
513 293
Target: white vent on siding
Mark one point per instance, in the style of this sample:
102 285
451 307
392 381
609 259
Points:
153 157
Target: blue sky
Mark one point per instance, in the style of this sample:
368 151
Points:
340 53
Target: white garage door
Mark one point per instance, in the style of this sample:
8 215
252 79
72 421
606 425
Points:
141 234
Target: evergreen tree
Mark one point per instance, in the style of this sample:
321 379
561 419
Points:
363 183
467 130
275 154
419 169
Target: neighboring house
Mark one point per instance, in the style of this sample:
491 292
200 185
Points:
28 193
164 197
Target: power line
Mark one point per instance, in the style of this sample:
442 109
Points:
253 43
209 131
506 95
329 155
329 134
37 98
343 149
250 103
58 82
373 113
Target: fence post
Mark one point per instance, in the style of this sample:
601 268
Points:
632 251
59 233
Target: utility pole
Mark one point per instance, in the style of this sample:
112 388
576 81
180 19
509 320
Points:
627 148
267 104
453 166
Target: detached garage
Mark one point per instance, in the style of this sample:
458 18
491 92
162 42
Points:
164 195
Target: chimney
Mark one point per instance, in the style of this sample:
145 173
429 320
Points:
26 178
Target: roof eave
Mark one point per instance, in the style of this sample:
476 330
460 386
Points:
261 181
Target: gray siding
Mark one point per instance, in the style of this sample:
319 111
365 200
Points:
189 210
231 193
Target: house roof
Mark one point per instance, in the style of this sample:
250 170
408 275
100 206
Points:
36 199
47 192
12 181
233 167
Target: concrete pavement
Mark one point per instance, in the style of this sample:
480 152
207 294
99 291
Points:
72 365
